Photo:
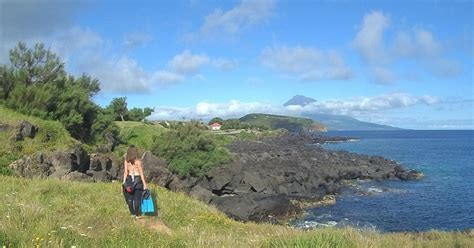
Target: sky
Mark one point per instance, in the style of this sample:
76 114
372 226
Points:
402 63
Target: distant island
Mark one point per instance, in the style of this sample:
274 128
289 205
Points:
336 122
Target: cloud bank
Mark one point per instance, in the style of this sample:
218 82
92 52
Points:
357 107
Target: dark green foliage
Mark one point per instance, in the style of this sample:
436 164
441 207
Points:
292 124
189 150
6 81
104 128
138 114
118 107
235 124
216 119
35 83
5 160
135 114
38 66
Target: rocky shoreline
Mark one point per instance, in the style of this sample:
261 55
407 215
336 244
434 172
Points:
269 180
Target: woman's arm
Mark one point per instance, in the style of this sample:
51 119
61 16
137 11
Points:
124 171
142 176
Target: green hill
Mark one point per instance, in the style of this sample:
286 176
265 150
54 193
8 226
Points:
293 124
53 213
51 136
140 134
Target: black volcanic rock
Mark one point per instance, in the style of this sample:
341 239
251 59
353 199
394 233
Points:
272 171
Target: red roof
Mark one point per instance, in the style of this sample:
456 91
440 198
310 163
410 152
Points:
216 124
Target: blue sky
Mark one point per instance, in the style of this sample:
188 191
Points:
402 63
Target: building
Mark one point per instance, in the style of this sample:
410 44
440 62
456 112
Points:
215 126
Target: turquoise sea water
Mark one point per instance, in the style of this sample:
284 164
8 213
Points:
443 199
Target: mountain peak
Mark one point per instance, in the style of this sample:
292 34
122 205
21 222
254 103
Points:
299 100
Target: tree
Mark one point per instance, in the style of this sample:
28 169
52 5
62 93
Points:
119 107
135 114
232 123
216 119
7 81
147 112
36 83
36 66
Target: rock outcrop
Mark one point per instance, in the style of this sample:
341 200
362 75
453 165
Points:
75 164
25 129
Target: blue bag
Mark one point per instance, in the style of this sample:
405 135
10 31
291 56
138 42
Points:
147 206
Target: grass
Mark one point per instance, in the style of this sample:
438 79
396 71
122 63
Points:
140 134
51 136
55 213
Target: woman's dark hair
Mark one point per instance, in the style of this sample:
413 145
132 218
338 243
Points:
132 154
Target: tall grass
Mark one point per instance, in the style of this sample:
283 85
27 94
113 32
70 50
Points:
53 213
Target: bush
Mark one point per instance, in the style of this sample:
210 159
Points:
5 160
190 151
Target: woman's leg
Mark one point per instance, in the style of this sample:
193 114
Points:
137 201
128 198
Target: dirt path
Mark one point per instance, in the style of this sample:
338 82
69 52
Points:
155 224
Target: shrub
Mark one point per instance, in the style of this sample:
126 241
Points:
190 151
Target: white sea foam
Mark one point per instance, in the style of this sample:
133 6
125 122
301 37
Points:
322 216
374 190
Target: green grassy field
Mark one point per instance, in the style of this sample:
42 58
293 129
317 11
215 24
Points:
53 213
139 133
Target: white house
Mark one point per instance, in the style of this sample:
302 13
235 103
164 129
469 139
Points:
215 126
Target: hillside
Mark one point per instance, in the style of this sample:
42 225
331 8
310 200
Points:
346 123
140 134
293 124
51 136
55 213
336 122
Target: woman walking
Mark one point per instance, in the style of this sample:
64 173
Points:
133 181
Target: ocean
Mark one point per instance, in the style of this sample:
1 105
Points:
443 199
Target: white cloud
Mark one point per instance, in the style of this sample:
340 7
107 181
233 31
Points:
120 75
246 14
418 45
306 63
358 107
187 63
369 40
76 42
167 77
